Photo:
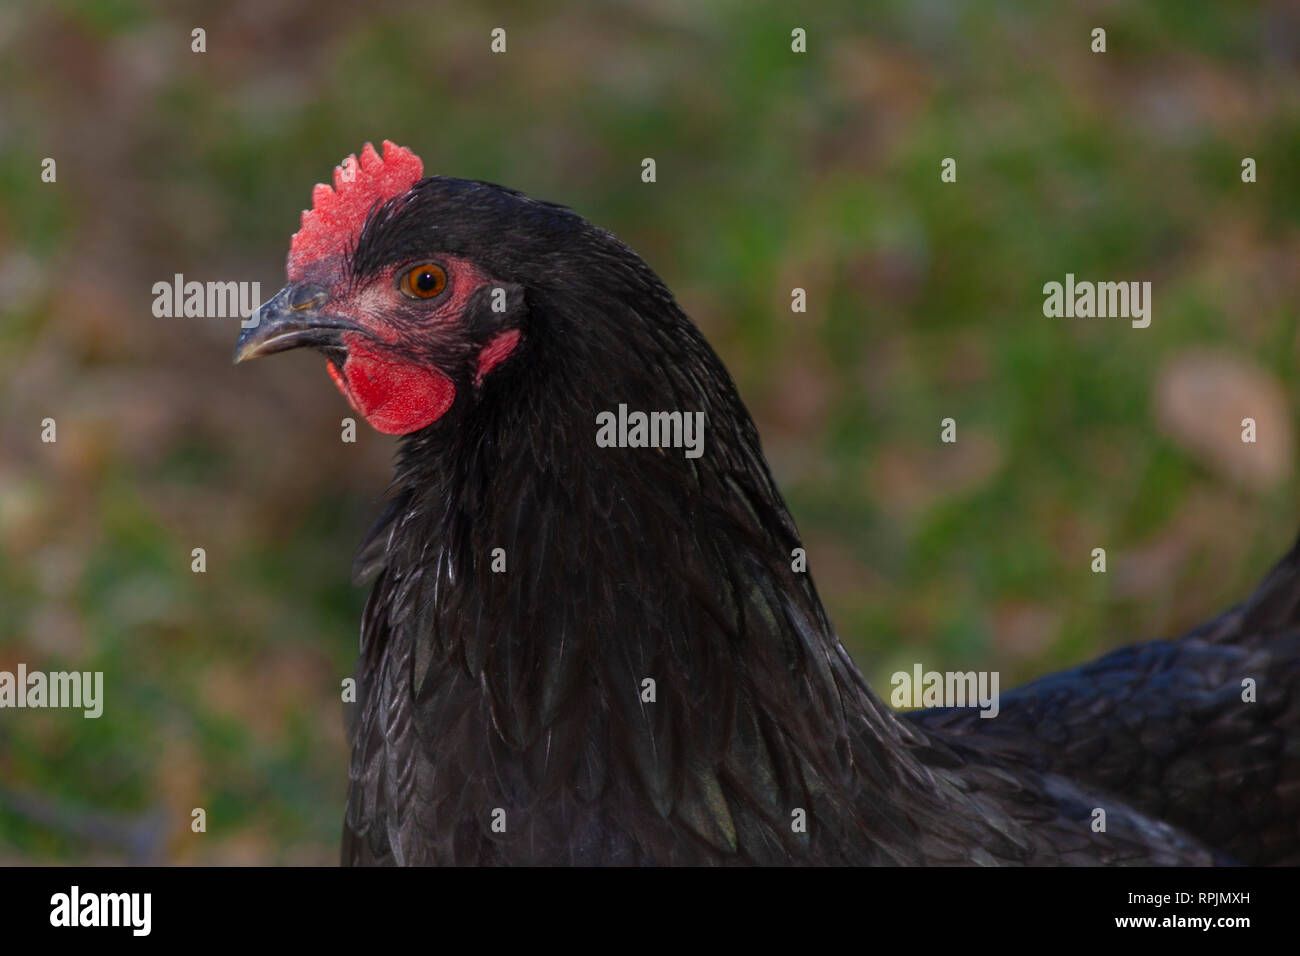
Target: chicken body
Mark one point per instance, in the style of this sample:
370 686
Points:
575 653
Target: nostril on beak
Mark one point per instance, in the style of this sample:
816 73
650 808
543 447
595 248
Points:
308 297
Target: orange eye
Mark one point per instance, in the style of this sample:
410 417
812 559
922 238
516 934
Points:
424 282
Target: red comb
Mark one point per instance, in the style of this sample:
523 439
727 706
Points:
337 215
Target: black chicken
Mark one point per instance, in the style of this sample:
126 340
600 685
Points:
529 585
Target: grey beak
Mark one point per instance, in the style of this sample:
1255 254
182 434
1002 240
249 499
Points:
291 319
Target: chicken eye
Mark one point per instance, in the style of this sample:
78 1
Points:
424 282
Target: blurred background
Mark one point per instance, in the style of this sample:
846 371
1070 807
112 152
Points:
775 170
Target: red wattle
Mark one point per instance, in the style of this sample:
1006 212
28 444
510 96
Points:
395 398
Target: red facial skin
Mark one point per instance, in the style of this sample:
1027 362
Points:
393 394
495 352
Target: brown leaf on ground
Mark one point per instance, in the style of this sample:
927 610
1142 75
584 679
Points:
1023 629
1201 399
912 479
1182 574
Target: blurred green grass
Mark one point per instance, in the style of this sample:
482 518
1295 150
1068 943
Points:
774 171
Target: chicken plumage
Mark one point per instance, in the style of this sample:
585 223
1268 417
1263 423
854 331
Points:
590 655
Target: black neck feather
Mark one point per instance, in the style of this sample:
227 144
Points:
622 566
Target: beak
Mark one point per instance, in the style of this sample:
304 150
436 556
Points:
290 320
